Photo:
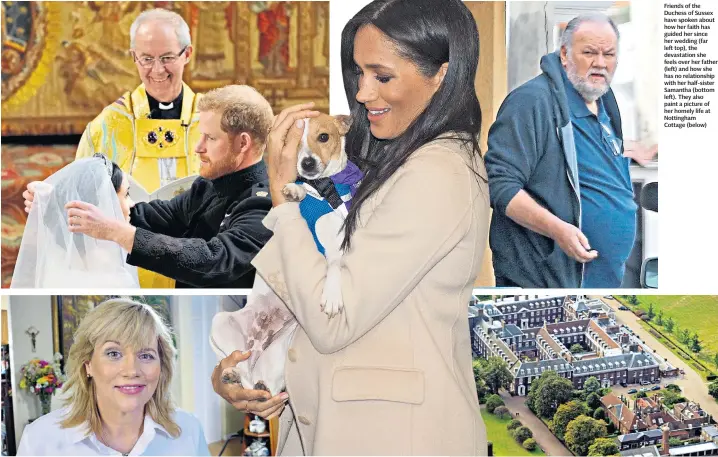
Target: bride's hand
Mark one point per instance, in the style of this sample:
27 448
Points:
29 195
282 148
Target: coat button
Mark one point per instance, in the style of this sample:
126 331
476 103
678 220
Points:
292 355
304 420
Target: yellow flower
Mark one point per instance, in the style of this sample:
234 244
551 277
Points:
23 384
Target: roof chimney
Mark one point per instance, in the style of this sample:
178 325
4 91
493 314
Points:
666 436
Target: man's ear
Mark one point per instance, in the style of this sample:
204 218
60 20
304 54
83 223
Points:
564 56
188 53
242 143
343 122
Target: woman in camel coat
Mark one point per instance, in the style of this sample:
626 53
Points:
392 373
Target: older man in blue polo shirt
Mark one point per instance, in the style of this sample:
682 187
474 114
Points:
564 212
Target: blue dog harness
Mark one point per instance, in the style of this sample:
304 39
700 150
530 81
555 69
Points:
326 195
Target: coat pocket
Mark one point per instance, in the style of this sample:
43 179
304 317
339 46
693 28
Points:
403 385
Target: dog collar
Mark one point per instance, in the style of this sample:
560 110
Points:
325 188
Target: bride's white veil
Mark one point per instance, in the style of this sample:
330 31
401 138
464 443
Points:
50 255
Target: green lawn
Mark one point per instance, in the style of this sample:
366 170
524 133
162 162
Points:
698 313
504 443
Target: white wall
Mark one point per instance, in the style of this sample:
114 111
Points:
339 14
24 312
192 387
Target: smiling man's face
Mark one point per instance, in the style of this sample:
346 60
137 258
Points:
592 60
157 39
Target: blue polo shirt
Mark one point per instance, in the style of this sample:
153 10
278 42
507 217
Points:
608 211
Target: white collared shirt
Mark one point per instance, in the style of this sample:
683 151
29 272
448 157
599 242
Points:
45 437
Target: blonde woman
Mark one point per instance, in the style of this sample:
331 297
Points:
118 391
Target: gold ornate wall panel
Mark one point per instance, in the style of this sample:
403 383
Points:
62 62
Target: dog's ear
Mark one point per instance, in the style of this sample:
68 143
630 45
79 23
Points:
343 122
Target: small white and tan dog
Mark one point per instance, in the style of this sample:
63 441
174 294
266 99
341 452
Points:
329 179
265 326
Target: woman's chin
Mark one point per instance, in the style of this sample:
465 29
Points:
129 405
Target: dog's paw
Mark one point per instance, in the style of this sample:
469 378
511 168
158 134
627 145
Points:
231 376
294 192
332 302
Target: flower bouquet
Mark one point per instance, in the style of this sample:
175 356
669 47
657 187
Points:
42 378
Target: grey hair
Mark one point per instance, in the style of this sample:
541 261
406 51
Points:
170 17
575 23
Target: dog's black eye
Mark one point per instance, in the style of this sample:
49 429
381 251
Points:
323 137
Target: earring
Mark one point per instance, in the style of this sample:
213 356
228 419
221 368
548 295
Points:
88 375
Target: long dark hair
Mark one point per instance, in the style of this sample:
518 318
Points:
116 175
429 33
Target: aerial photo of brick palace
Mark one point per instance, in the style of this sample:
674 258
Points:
535 334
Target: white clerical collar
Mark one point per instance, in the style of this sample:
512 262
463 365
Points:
166 107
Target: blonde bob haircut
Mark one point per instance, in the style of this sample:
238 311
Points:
131 324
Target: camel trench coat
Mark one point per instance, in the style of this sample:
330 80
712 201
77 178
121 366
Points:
392 373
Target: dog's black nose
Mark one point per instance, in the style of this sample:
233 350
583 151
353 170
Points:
308 164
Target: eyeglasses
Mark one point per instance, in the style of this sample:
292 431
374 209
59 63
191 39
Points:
611 140
149 62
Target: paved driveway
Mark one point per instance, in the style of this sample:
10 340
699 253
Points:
694 387
543 436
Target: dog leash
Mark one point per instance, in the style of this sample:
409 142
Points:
325 188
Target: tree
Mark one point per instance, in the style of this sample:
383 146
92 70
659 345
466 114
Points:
481 388
513 425
576 348
713 389
591 385
599 414
522 433
673 441
603 446
579 395
715 359
632 299
695 343
641 395
593 400
582 431
651 311
684 336
674 388
492 402
611 428
502 412
659 317
565 414
670 398
530 444
548 392
669 324
496 374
